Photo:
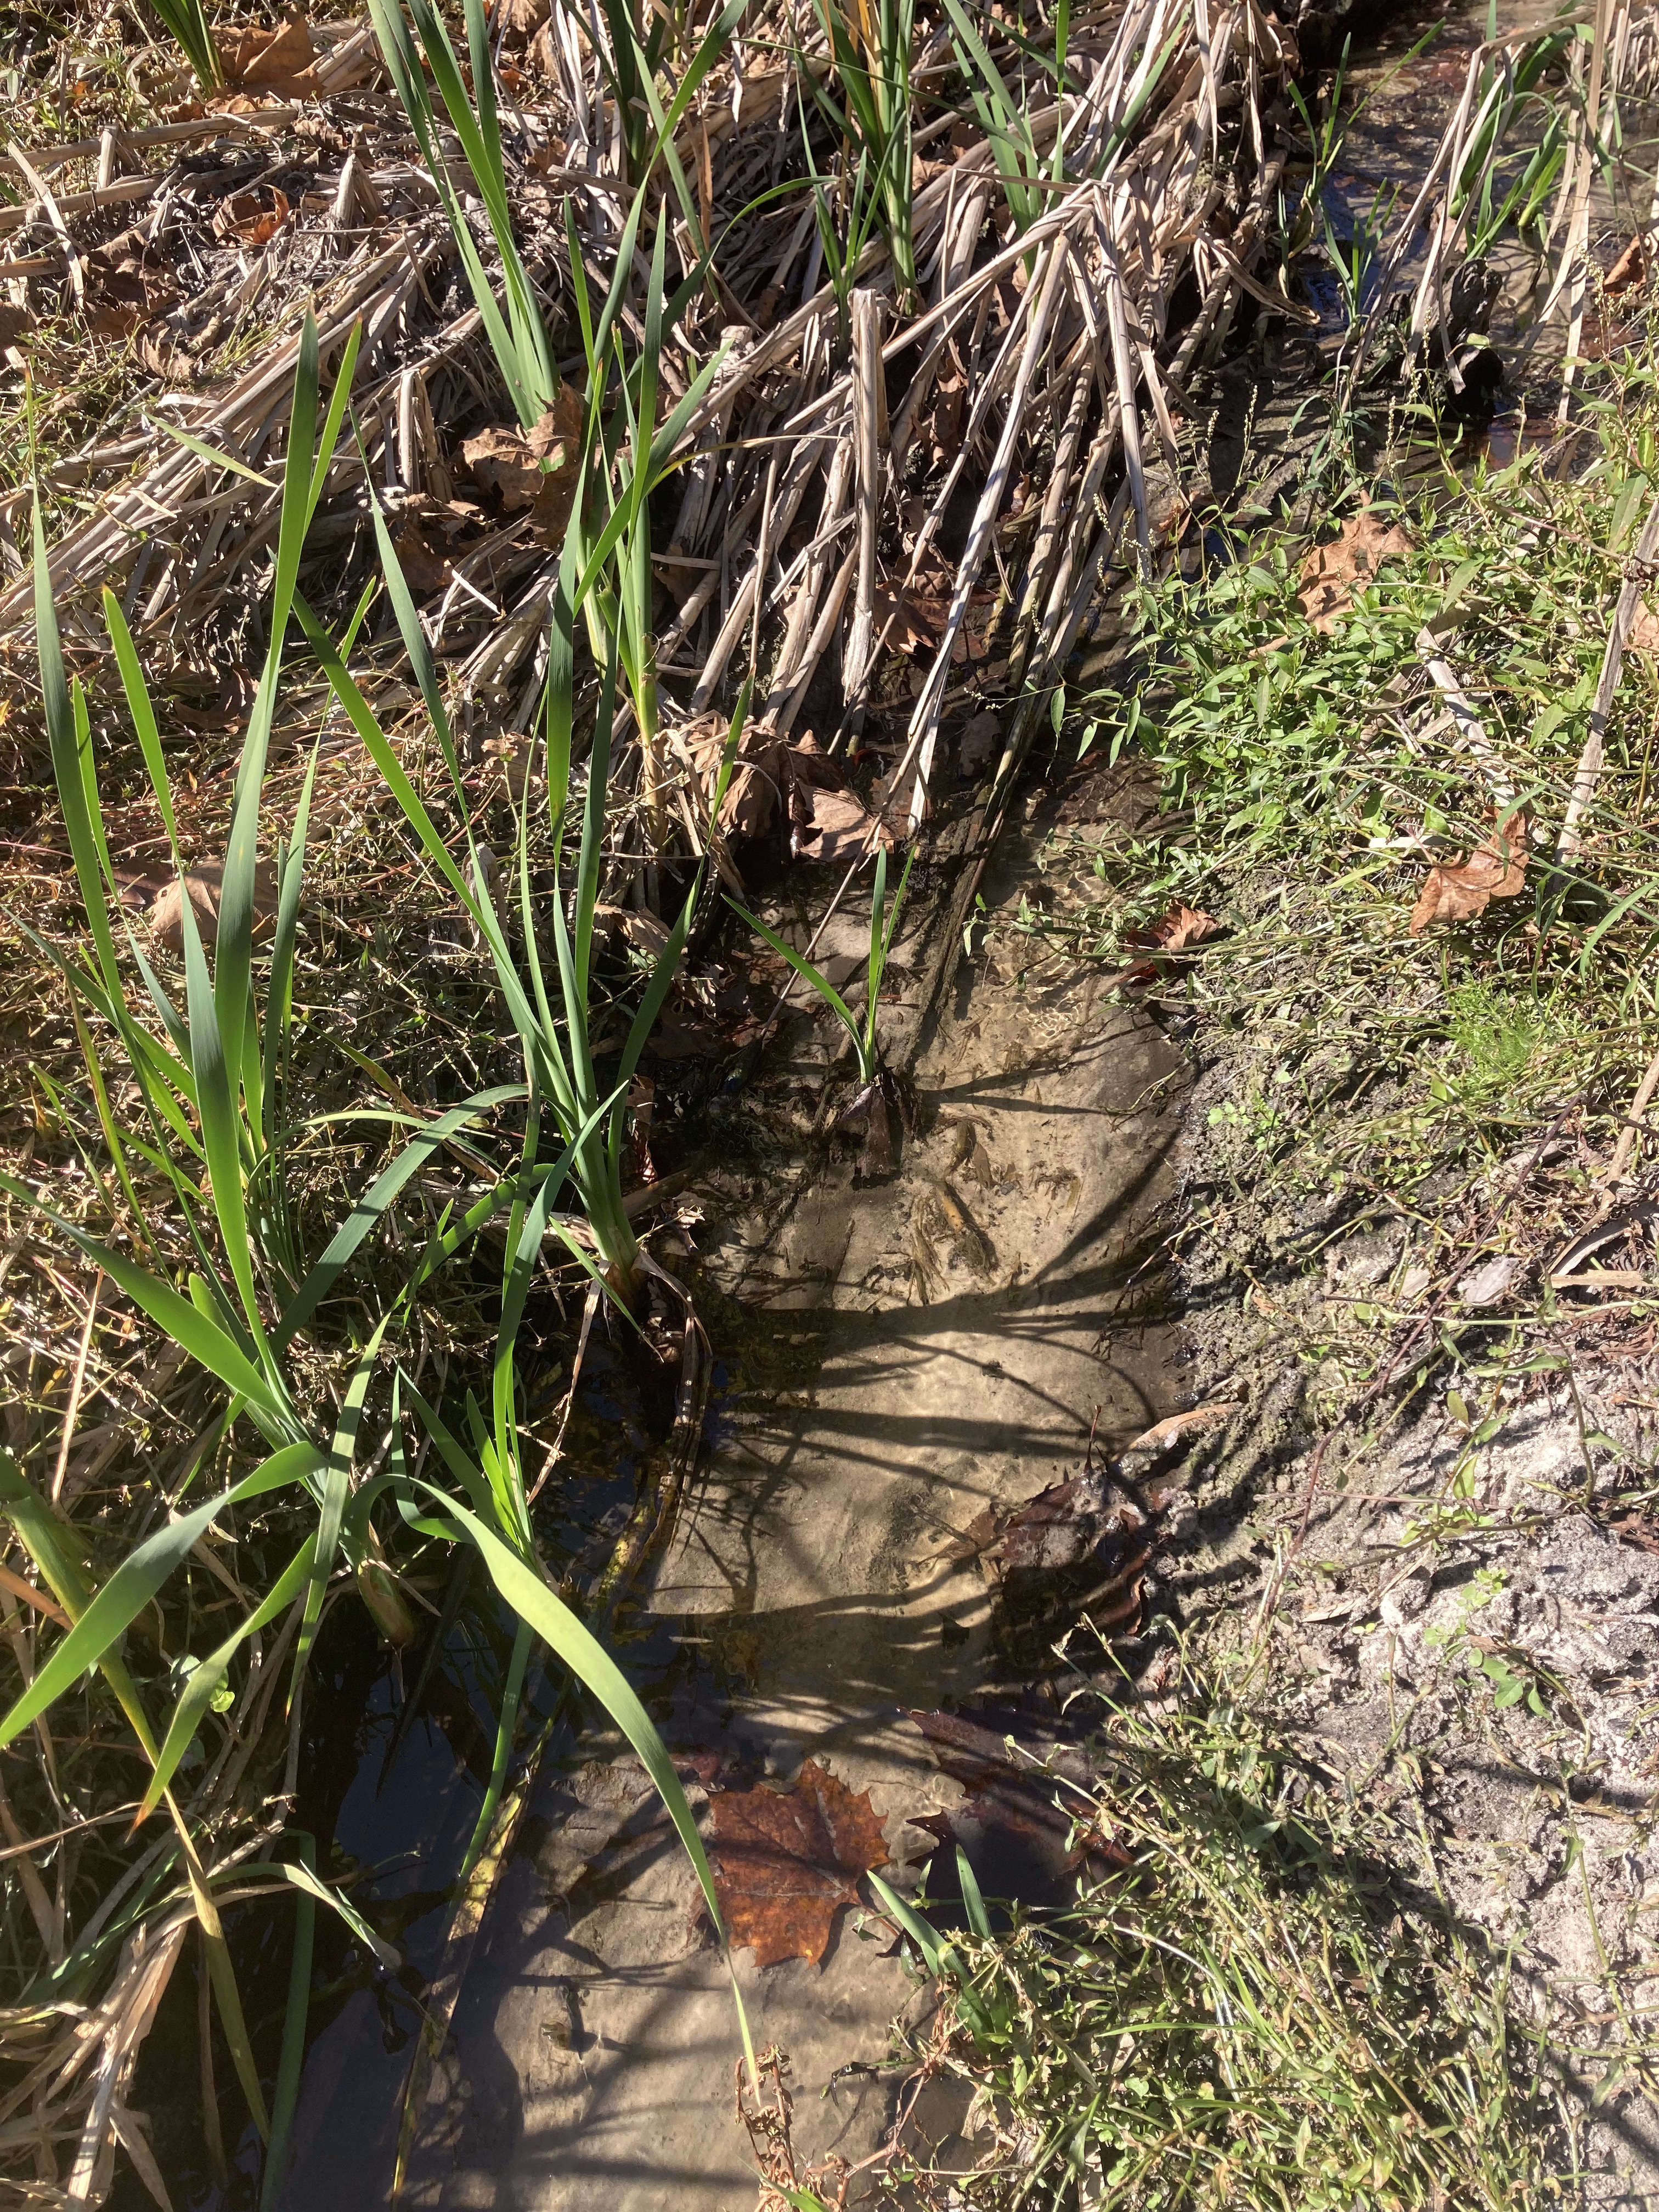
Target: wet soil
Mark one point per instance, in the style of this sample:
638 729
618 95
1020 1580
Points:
897 1356
908 1351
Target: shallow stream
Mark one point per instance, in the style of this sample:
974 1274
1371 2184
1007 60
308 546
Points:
896 1358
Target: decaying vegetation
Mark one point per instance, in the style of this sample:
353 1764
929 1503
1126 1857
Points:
724 417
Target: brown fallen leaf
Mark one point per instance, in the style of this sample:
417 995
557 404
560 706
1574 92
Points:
1629 271
842 829
166 913
1017 1826
826 822
428 571
519 21
280 60
14 323
978 742
535 469
1174 931
1643 631
254 216
1332 574
1459 891
785 1862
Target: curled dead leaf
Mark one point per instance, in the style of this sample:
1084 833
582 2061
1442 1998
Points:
978 742
426 569
826 822
535 469
279 61
785 1862
253 217
1175 931
1333 575
1629 271
1458 891
166 913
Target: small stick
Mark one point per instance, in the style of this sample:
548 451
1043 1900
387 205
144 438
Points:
1637 572
54 215
1470 728
1632 1128
75 1388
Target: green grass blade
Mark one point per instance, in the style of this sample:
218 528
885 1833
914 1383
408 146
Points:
201 447
804 968
136 1581
937 1957
576 1646
234 957
279 987
221 1135
143 715
285 2098
371 1208
190 1330
978 1918
337 1489
66 763
50 1542
209 1673
507 1721
662 978
338 399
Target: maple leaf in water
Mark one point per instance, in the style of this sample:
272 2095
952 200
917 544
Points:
785 1861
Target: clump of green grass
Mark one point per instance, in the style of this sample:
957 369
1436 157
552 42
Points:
1307 783
1255 2012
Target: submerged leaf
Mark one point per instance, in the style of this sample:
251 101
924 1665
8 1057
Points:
784 1861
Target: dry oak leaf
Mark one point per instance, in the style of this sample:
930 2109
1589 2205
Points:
535 469
1631 268
166 913
1175 931
1333 574
1643 631
1457 891
278 61
426 569
254 217
784 1861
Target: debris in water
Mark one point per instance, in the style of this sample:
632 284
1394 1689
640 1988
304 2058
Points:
784 1861
1017 1826
1080 1545
968 1240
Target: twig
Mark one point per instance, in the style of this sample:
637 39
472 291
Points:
77 1382
1638 574
1470 729
1632 1128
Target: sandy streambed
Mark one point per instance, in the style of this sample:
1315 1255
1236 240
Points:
909 1353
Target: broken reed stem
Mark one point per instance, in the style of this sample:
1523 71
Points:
77 1384
1620 1164
1638 574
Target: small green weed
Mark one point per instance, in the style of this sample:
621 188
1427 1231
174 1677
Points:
1254 2012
